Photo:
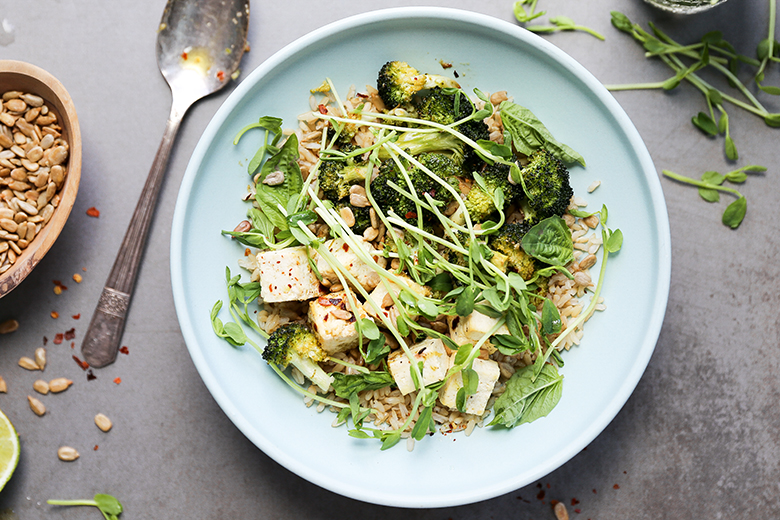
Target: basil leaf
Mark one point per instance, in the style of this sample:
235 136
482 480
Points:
527 399
529 134
269 198
551 318
347 384
549 241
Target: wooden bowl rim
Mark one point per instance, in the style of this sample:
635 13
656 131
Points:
55 94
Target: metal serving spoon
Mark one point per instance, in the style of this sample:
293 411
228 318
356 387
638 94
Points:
199 47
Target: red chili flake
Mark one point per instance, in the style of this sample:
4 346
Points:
553 502
70 334
72 344
548 485
118 380
345 247
45 340
90 375
574 501
59 284
411 214
93 212
58 338
76 316
55 314
247 252
540 496
455 73
615 487
184 55
95 448
322 109
578 511
594 491
83 364
324 301
124 350
221 75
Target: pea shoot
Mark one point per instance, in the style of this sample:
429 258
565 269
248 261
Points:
109 506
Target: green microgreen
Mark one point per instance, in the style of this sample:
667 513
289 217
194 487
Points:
559 23
108 506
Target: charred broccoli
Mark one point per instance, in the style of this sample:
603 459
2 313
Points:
445 107
397 82
295 344
362 216
507 242
545 181
337 176
479 201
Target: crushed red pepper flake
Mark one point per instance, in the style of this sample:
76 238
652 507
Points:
616 486
45 340
76 316
70 334
95 448
90 375
578 511
540 496
58 338
93 212
221 75
117 380
124 350
55 314
72 344
322 109
83 364
574 501
59 284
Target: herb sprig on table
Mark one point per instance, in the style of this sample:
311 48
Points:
109 506
525 11
718 54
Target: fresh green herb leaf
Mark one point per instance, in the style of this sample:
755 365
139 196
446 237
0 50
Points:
549 241
527 399
735 213
347 384
109 506
551 318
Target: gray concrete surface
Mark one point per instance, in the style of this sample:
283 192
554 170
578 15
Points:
697 439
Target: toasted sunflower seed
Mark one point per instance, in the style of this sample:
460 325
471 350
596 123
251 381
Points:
59 384
41 386
28 363
103 422
36 406
67 453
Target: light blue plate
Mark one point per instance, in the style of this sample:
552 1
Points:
599 375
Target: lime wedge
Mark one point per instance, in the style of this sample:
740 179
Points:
9 449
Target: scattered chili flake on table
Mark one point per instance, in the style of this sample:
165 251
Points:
124 350
83 364
615 487
55 314
578 511
90 375
93 212
76 316
540 496
118 380
574 501
70 334
95 448
58 338
184 56
45 340
77 278
221 75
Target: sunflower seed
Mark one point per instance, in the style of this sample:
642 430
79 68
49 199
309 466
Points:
40 357
28 363
103 422
67 454
3 386
41 386
9 325
59 384
36 406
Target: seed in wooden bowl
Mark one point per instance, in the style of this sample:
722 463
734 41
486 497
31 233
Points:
67 454
103 422
36 406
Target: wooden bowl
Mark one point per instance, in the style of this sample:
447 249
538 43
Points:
23 77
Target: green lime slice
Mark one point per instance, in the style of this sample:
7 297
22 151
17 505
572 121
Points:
9 449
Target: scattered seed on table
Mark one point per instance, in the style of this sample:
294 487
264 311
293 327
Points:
103 422
3 385
28 363
41 386
67 454
560 511
77 278
55 314
36 406
40 357
59 384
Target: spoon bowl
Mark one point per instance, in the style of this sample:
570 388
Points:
199 47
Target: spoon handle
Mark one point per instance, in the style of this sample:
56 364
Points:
101 341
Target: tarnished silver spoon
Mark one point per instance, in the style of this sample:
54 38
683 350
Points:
199 47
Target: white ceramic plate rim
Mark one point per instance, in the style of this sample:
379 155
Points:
630 379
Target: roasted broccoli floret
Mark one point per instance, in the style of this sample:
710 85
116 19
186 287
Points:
337 176
507 242
398 82
362 216
295 344
416 143
445 108
479 202
387 197
545 181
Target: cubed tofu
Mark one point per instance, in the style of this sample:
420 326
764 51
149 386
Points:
488 373
364 274
435 361
285 275
471 328
333 322
383 299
